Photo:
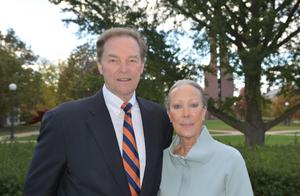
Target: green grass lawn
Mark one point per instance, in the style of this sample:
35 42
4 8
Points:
239 140
220 125
211 125
270 140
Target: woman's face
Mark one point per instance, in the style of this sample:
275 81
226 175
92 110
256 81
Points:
186 111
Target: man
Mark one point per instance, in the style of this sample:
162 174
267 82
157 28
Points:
97 147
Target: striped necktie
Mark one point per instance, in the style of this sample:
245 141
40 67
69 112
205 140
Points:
130 154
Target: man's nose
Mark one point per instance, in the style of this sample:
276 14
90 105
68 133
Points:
123 66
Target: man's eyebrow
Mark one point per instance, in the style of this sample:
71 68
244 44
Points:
116 56
134 56
112 55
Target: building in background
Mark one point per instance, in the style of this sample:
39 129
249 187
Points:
218 85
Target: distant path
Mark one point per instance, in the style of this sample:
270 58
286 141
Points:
19 135
233 133
213 132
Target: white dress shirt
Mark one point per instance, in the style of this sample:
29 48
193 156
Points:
114 103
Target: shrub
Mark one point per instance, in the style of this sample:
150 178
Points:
14 162
274 171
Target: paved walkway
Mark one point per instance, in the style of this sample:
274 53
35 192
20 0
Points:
20 135
213 132
233 133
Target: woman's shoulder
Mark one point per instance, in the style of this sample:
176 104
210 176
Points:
227 152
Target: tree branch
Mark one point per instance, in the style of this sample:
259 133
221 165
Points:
288 38
239 21
226 118
185 12
283 116
282 27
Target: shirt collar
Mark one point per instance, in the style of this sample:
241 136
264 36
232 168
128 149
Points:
114 102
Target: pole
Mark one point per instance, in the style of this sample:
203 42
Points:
12 87
12 123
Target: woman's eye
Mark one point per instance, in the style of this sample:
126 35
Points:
112 60
176 106
194 105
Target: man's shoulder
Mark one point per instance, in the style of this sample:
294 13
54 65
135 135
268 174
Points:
150 104
74 106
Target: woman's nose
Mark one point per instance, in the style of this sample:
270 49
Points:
186 111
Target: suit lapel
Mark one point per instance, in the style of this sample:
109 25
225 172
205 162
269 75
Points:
101 126
150 148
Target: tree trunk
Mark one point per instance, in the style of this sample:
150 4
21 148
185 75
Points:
254 136
1 122
255 127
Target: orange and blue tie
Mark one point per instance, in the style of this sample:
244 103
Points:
130 154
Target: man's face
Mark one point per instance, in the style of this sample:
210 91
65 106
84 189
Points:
121 66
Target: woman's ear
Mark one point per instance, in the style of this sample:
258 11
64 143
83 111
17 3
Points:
203 114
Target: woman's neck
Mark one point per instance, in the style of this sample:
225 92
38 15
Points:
184 146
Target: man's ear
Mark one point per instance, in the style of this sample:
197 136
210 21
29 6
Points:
100 69
142 68
169 116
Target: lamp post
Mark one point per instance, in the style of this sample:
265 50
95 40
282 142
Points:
287 121
12 87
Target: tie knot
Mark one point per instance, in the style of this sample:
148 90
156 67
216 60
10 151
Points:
126 106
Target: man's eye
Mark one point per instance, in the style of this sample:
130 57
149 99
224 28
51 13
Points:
132 60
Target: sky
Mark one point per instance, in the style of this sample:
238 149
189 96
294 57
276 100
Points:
39 24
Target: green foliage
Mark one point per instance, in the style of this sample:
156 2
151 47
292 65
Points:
262 41
14 54
14 162
79 76
251 39
274 171
220 125
161 68
270 140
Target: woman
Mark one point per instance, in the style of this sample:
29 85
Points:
195 163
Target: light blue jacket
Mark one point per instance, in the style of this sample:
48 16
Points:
209 169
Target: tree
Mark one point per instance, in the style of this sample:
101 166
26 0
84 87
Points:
264 34
50 75
161 68
14 54
79 76
256 40
285 99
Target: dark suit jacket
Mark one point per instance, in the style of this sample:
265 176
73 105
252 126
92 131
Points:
78 155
